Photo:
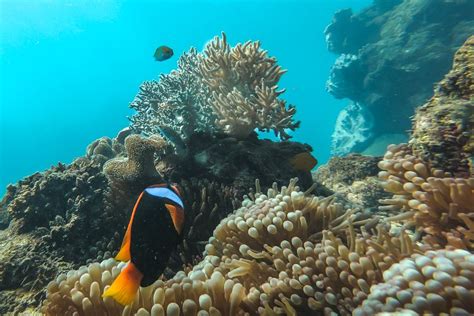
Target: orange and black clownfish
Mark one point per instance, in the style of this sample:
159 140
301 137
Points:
152 234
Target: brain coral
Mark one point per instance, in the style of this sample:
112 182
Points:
272 255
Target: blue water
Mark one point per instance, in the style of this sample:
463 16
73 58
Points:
68 69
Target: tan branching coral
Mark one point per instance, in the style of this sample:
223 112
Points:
436 282
272 255
436 202
243 82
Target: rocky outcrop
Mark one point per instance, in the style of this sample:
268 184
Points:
391 54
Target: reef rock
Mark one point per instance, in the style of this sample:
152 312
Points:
391 54
353 178
443 127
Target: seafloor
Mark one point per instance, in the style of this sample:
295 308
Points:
263 235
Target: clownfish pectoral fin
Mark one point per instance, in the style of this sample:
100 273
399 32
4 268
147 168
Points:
124 252
177 216
126 285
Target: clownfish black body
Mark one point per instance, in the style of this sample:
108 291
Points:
153 232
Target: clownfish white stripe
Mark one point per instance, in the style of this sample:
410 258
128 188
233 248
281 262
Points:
165 193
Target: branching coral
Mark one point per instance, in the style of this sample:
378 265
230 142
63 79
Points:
230 90
436 282
243 82
432 199
272 255
175 106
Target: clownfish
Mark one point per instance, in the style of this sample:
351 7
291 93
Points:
153 232
163 53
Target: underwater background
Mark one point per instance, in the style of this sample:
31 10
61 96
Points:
69 69
290 158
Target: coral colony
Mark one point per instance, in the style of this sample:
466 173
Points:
262 235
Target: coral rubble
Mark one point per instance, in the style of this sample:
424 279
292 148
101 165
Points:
391 54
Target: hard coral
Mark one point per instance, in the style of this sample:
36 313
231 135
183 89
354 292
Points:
224 89
176 105
243 82
137 171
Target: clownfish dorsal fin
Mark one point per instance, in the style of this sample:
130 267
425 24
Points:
124 253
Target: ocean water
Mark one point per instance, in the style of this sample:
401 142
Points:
69 69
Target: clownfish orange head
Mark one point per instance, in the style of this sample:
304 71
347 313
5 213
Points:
163 53
153 233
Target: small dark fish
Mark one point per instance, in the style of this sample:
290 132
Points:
153 232
303 161
163 53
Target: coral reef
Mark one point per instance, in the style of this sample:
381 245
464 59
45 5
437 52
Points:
66 205
243 82
272 253
434 185
176 105
442 128
436 282
224 89
235 162
392 53
353 177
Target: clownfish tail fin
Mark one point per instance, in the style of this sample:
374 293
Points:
125 286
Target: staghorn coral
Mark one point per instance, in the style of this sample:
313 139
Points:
437 203
224 89
272 255
442 128
436 282
243 82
